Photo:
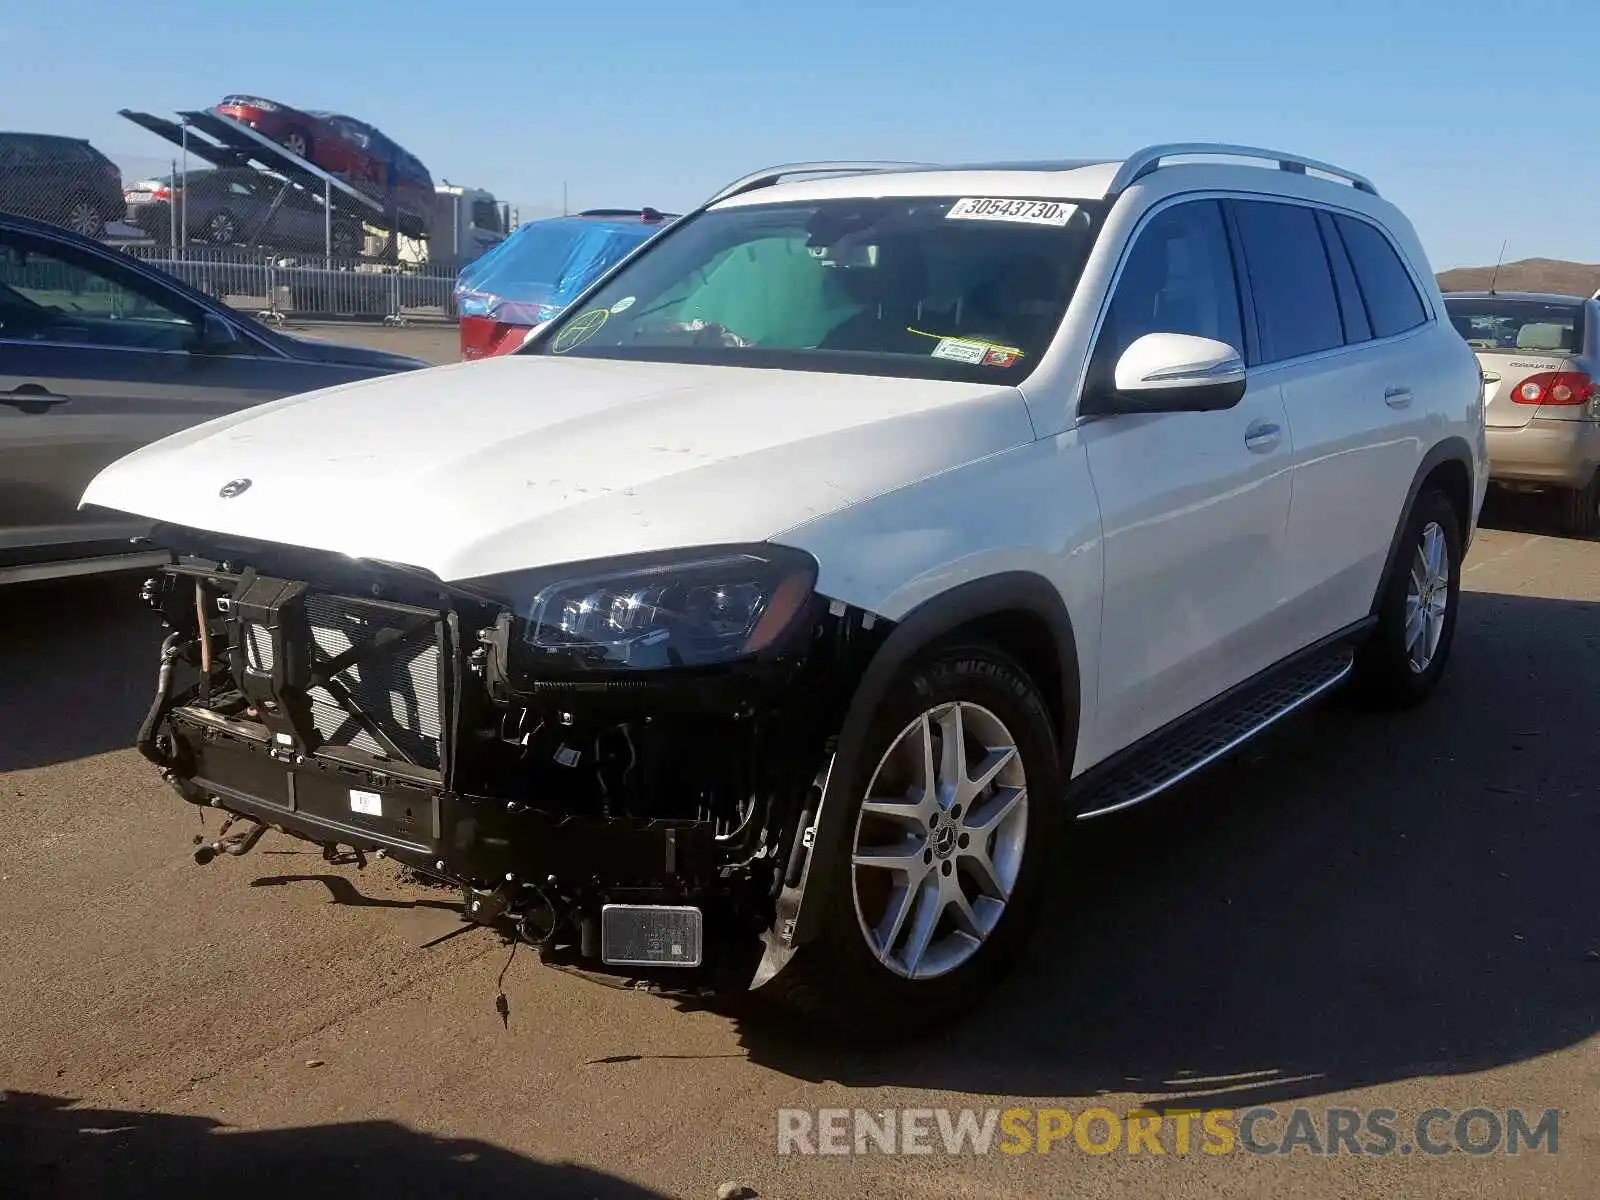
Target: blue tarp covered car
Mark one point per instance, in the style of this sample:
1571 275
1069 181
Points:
539 269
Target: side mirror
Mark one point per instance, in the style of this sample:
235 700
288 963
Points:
1171 372
217 337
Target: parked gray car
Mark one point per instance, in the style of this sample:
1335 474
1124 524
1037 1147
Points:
101 354
1539 354
240 206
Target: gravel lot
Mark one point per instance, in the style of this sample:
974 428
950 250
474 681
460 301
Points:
1399 913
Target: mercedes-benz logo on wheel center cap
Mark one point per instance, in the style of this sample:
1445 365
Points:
233 488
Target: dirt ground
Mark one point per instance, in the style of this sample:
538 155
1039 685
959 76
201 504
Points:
1369 912
435 341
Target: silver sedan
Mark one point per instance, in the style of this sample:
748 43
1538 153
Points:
101 354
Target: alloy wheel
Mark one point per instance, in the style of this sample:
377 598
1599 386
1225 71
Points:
84 218
939 840
295 143
1427 597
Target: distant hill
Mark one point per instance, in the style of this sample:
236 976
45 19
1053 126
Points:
1526 275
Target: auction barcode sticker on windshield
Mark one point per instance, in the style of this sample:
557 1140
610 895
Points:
960 350
1024 212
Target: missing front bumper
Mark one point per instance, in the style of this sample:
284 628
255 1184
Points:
355 712
472 840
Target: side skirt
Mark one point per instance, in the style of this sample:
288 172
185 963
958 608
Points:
1170 755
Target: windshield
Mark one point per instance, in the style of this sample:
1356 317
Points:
1494 323
940 288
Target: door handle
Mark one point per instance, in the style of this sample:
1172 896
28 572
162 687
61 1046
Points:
32 398
1397 397
1262 437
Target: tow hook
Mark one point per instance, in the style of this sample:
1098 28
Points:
332 854
485 908
236 844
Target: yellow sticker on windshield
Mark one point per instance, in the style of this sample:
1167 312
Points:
975 351
579 330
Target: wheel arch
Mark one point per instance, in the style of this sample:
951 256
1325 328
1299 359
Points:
1019 611
1447 466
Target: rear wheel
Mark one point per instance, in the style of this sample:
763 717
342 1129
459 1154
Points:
1580 509
955 806
346 242
83 216
1405 657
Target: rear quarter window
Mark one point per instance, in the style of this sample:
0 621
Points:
1392 301
1357 328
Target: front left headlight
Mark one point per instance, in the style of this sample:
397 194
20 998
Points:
701 609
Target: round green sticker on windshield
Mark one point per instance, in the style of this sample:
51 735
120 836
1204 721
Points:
580 329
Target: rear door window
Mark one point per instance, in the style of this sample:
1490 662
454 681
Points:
1392 300
1297 309
350 132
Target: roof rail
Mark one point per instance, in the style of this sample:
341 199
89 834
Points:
1151 158
773 175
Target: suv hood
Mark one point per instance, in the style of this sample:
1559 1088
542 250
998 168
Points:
526 461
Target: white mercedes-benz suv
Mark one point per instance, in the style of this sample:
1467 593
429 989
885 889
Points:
768 619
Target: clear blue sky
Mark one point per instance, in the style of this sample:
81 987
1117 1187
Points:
1478 117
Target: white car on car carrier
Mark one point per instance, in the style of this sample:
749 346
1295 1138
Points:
771 616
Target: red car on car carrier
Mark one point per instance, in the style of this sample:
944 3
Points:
338 144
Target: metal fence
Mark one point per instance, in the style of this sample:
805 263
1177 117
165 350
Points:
275 287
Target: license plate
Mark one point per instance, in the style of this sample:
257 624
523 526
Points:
650 935
369 803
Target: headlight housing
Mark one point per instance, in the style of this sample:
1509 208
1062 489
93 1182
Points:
696 609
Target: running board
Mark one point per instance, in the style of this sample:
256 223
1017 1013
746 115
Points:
1172 755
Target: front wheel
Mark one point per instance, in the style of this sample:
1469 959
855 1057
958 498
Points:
955 806
221 229
1402 662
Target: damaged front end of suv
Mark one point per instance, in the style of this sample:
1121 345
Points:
620 762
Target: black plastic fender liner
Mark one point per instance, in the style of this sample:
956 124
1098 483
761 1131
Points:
1012 591
1451 449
